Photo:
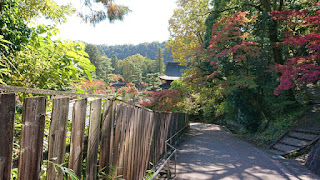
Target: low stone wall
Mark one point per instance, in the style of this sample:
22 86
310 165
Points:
313 161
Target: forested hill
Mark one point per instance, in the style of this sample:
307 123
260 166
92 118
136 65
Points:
145 49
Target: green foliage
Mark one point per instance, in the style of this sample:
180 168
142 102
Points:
153 82
177 84
48 64
133 68
281 124
247 116
31 9
159 62
12 27
187 29
149 50
4 65
112 174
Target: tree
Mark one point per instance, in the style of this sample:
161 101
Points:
110 10
114 62
153 82
13 27
105 67
159 60
187 29
47 64
303 39
134 68
95 58
263 10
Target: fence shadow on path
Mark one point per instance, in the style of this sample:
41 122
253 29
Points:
212 152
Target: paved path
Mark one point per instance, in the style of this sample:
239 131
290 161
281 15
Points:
212 152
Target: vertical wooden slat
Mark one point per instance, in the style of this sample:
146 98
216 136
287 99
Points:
149 140
140 142
146 142
117 135
77 132
7 110
114 110
130 146
127 143
32 134
134 145
122 138
93 139
108 117
57 136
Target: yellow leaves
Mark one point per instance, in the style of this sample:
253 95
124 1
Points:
187 28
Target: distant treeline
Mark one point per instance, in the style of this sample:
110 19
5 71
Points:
148 50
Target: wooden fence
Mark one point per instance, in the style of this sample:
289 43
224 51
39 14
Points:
122 138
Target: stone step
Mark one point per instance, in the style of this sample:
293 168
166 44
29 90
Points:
307 131
285 148
277 152
302 136
294 142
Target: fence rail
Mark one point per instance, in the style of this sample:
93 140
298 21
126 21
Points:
121 134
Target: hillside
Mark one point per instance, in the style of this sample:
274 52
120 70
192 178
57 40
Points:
145 49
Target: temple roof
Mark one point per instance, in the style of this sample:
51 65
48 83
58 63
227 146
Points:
174 69
169 78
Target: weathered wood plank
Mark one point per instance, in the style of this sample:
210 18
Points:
130 146
7 112
122 138
93 139
112 138
117 135
77 133
57 136
127 143
107 125
49 92
32 134
134 146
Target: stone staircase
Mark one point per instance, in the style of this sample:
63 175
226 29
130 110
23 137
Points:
294 140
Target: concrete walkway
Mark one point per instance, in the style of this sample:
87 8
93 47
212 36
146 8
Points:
212 152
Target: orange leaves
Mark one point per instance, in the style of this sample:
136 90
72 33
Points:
94 86
232 30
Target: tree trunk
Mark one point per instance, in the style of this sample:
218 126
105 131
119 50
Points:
273 35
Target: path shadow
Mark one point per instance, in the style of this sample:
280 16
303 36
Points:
212 152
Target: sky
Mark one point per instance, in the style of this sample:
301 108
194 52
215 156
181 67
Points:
147 22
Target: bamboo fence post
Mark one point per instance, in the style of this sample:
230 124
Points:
57 136
7 110
77 133
93 139
32 134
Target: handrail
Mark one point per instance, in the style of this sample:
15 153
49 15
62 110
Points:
167 161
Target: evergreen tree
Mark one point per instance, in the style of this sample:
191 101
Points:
114 62
95 57
160 63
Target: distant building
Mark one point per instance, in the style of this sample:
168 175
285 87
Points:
173 72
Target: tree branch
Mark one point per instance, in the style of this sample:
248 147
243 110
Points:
258 7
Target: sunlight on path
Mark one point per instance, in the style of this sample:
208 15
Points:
212 152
